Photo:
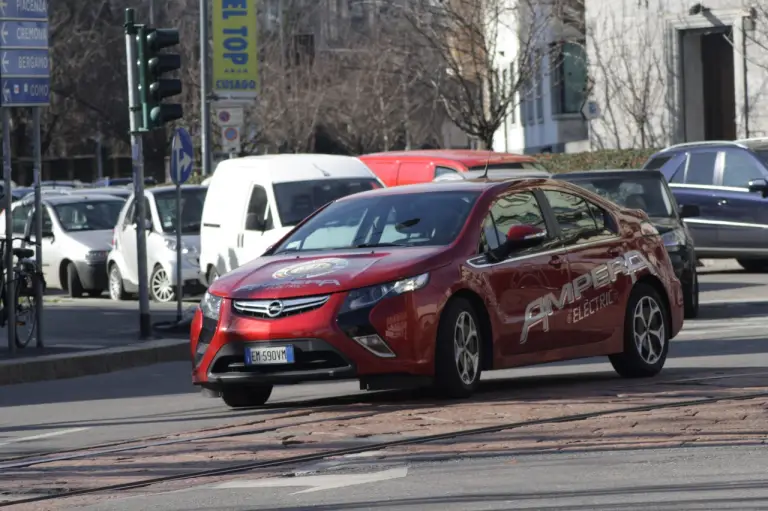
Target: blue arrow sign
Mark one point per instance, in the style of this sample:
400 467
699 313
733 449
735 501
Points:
24 9
24 63
18 91
182 156
23 35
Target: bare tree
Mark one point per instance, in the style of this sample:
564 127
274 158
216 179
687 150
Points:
468 41
628 77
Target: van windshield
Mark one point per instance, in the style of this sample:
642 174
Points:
296 200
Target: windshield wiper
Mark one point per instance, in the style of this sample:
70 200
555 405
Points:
373 245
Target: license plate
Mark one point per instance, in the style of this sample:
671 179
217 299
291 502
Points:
271 355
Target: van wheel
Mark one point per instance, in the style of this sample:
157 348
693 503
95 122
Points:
458 351
246 397
646 342
213 274
74 285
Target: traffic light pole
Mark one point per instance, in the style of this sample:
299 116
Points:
137 154
205 90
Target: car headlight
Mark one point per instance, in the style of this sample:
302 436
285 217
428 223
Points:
673 239
170 244
365 297
210 306
96 256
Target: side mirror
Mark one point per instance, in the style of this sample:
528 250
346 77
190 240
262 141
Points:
519 237
758 185
689 211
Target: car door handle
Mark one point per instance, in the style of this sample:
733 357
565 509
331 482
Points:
722 202
556 261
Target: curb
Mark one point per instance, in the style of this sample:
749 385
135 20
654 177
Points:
91 362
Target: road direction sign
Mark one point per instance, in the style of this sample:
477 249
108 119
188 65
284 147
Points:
23 34
182 156
25 71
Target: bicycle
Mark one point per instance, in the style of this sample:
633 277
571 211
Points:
26 275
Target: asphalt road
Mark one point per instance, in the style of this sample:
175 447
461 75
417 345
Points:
659 479
154 400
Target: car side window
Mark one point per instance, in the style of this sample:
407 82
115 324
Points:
129 215
701 168
19 218
47 222
441 171
678 175
518 213
739 169
258 217
579 220
134 213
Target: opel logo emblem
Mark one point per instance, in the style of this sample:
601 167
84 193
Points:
274 309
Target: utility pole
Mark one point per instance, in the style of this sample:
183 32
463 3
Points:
205 92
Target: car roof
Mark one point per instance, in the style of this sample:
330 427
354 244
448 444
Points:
756 143
55 200
469 157
285 168
608 173
172 188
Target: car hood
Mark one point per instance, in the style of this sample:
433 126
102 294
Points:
93 240
665 224
294 275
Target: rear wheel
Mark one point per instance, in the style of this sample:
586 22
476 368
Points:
754 265
246 397
691 296
458 352
213 274
646 342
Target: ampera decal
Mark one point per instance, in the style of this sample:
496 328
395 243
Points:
538 311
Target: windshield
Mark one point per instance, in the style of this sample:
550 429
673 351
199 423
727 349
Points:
192 200
89 216
298 199
403 220
635 192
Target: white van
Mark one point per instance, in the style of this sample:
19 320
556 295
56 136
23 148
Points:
252 202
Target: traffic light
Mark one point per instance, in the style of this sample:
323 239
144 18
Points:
153 87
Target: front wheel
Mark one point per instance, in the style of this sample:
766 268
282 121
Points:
26 312
458 352
246 397
646 342
160 286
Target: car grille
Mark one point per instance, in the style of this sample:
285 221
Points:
274 309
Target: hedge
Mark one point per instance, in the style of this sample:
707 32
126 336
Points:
595 160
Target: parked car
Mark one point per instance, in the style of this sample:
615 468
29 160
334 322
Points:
254 201
647 190
76 234
426 284
397 168
728 181
162 221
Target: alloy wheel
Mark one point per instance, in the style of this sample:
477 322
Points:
649 330
466 348
162 289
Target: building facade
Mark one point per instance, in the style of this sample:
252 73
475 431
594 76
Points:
671 71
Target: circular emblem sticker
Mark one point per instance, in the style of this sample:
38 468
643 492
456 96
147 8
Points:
310 269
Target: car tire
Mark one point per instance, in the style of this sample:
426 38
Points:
213 274
95 293
754 265
74 285
155 293
646 324
691 296
116 287
457 375
246 397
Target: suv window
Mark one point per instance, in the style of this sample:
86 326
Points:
701 168
579 220
519 209
441 171
258 216
739 168
19 218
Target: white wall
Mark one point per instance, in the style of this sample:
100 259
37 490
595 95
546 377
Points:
635 61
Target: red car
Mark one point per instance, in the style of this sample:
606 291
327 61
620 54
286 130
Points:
433 284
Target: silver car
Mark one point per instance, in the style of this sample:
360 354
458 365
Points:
77 236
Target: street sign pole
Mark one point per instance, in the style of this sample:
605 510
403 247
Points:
205 91
179 226
137 155
182 160
8 254
38 224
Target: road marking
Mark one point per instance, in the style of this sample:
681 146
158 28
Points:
316 483
42 435
739 301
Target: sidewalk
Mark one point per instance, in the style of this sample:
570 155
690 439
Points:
83 337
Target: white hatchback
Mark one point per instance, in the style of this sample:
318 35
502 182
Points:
162 221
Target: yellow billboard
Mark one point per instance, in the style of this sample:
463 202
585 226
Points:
235 49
